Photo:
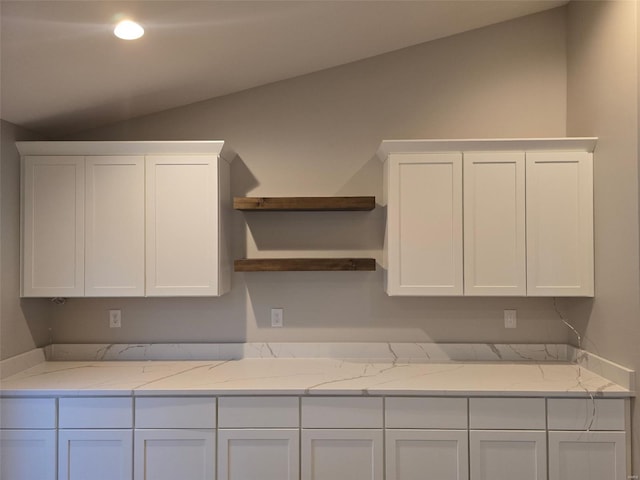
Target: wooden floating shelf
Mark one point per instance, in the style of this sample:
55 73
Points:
304 204
304 264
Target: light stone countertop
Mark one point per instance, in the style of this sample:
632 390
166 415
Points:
308 376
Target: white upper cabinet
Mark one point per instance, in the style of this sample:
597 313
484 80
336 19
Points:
182 225
494 223
114 238
518 211
53 226
125 219
559 224
424 222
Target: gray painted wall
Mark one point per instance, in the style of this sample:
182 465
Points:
24 324
317 135
603 101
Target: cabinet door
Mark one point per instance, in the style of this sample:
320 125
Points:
587 456
559 224
266 454
494 224
424 224
442 453
505 455
95 454
173 454
19 450
114 240
182 225
331 454
53 226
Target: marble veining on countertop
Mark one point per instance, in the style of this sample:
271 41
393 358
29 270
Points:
272 371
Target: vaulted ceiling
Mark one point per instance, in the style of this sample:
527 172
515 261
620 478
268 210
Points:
63 71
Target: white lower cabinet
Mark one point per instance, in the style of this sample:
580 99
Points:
587 439
342 438
426 434
19 448
265 454
95 438
172 454
313 438
175 437
587 456
263 429
442 453
342 454
27 432
95 454
507 439
508 454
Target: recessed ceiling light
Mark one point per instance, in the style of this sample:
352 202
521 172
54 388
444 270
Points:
128 30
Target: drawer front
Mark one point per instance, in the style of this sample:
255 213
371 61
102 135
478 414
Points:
22 413
341 412
96 412
258 412
176 412
507 413
585 413
426 413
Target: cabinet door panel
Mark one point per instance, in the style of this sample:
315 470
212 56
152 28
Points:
19 450
95 454
559 224
494 223
173 454
273 454
424 220
505 455
587 456
53 227
351 453
442 453
182 225
114 239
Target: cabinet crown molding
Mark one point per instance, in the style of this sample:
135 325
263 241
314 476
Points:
580 144
169 147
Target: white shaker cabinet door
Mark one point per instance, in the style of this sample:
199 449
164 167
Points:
444 454
587 456
174 454
95 454
508 454
53 226
559 224
28 454
182 225
330 454
114 240
494 224
424 224
265 454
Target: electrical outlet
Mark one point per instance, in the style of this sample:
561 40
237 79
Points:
277 317
115 318
510 319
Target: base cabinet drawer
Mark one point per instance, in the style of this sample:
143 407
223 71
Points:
587 455
442 453
174 454
95 454
28 454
